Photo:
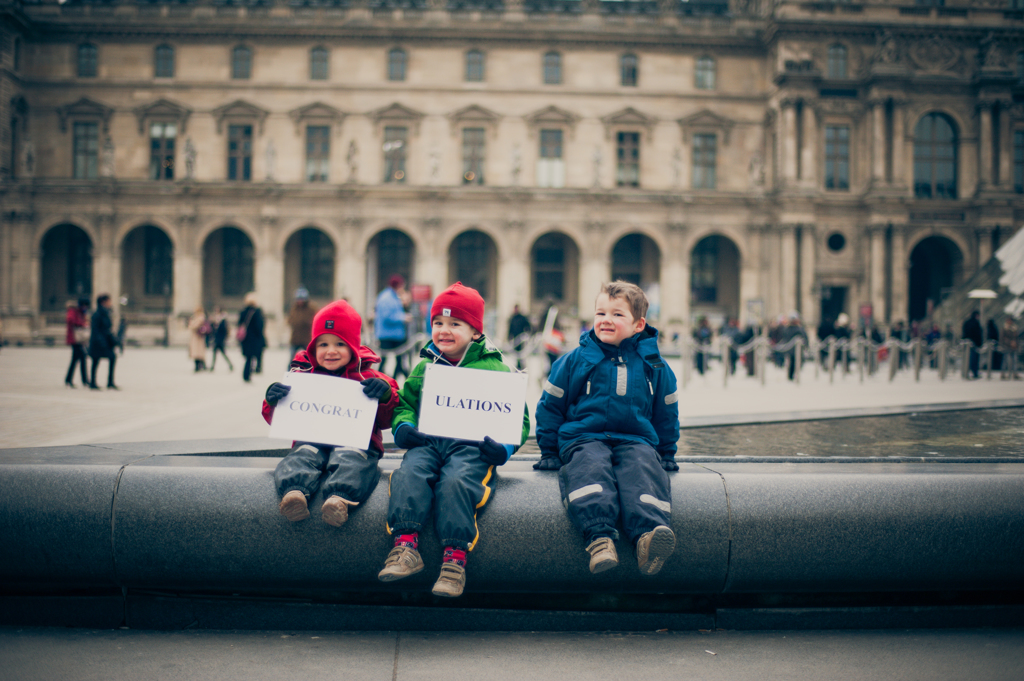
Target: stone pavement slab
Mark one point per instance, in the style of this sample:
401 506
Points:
29 654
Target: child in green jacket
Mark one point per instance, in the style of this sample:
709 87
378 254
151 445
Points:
452 476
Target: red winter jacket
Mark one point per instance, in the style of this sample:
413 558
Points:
75 319
341 319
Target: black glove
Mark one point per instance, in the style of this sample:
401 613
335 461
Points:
669 463
276 392
376 389
492 452
548 462
407 437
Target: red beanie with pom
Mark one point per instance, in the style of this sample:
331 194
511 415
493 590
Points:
462 303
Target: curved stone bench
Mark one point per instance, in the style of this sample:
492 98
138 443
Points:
169 519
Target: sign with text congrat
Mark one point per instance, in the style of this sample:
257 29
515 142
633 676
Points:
326 410
470 403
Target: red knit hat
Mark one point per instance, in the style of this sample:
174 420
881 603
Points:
462 303
340 319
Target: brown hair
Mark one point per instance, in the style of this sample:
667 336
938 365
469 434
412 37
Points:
633 294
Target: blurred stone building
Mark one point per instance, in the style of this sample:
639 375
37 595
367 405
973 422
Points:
735 158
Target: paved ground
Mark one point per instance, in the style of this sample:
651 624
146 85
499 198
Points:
162 399
935 655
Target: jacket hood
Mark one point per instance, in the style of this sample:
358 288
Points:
341 319
645 343
478 349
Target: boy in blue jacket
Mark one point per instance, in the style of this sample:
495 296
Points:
609 420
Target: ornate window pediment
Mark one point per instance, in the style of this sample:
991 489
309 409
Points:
397 114
241 111
162 110
706 121
475 116
316 113
627 118
85 108
551 117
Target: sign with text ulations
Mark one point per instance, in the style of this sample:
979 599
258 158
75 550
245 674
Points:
326 410
470 403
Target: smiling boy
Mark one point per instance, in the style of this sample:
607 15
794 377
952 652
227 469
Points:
609 420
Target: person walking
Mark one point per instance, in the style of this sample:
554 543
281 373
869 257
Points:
198 327
77 337
390 320
971 331
219 327
1009 343
250 336
102 341
518 325
702 338
300 319
789 334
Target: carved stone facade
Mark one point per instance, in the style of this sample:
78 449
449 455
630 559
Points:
739 159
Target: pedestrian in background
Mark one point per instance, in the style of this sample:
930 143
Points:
77 337
250 336
518 325
702 337
300 319
219 325
972 332
1009 342
102 341
789 334
198 328
390 320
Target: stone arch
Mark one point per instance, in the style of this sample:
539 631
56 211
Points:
80 221
288 231
66 265
310 258
716 263
147 269
473 260
936 265
636 257
128 226
228 255
736 239
389 251
554 270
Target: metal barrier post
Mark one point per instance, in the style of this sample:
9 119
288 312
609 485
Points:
989 345
943 350
763 352
831 359
724 345
798 357
894 348
918 356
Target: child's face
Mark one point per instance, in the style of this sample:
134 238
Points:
613 320
452 336
331 352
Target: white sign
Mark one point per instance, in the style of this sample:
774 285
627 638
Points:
326 410
470 403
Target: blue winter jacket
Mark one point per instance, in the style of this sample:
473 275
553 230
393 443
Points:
389 316
599 391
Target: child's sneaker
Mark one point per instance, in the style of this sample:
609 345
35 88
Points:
602 555
653 548
452 580
335 511
293 506
403 561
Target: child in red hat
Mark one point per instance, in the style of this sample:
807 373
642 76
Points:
450 476
351 474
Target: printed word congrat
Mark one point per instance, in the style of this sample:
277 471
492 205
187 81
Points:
469 404
324 409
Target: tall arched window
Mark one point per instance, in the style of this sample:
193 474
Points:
628 69
87 61
704 76
837 61
935 158
475 66
241 62
396 64
163 61
552 68
318 60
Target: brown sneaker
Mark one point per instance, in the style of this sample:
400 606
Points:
602 555
335 511
401 562
293 506
654 548
451 582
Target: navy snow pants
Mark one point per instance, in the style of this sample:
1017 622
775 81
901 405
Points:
449 476
347 472
602 477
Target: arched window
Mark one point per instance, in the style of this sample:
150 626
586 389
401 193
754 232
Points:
552 68
935 158
396 64
87 60
163 62
241 62
474 66
318 60
705 74
837 61
628 69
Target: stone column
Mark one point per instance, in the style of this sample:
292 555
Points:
878 142
103 280
188 268
984 145
432 266
900 270
787 142
675 279
1005 148
809 304
513 264
876 271
902 164
984 245
269 277
787 268
350 268
809 152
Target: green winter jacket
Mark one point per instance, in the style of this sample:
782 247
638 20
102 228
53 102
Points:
481 354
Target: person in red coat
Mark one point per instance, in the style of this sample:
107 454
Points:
347 475
77 337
